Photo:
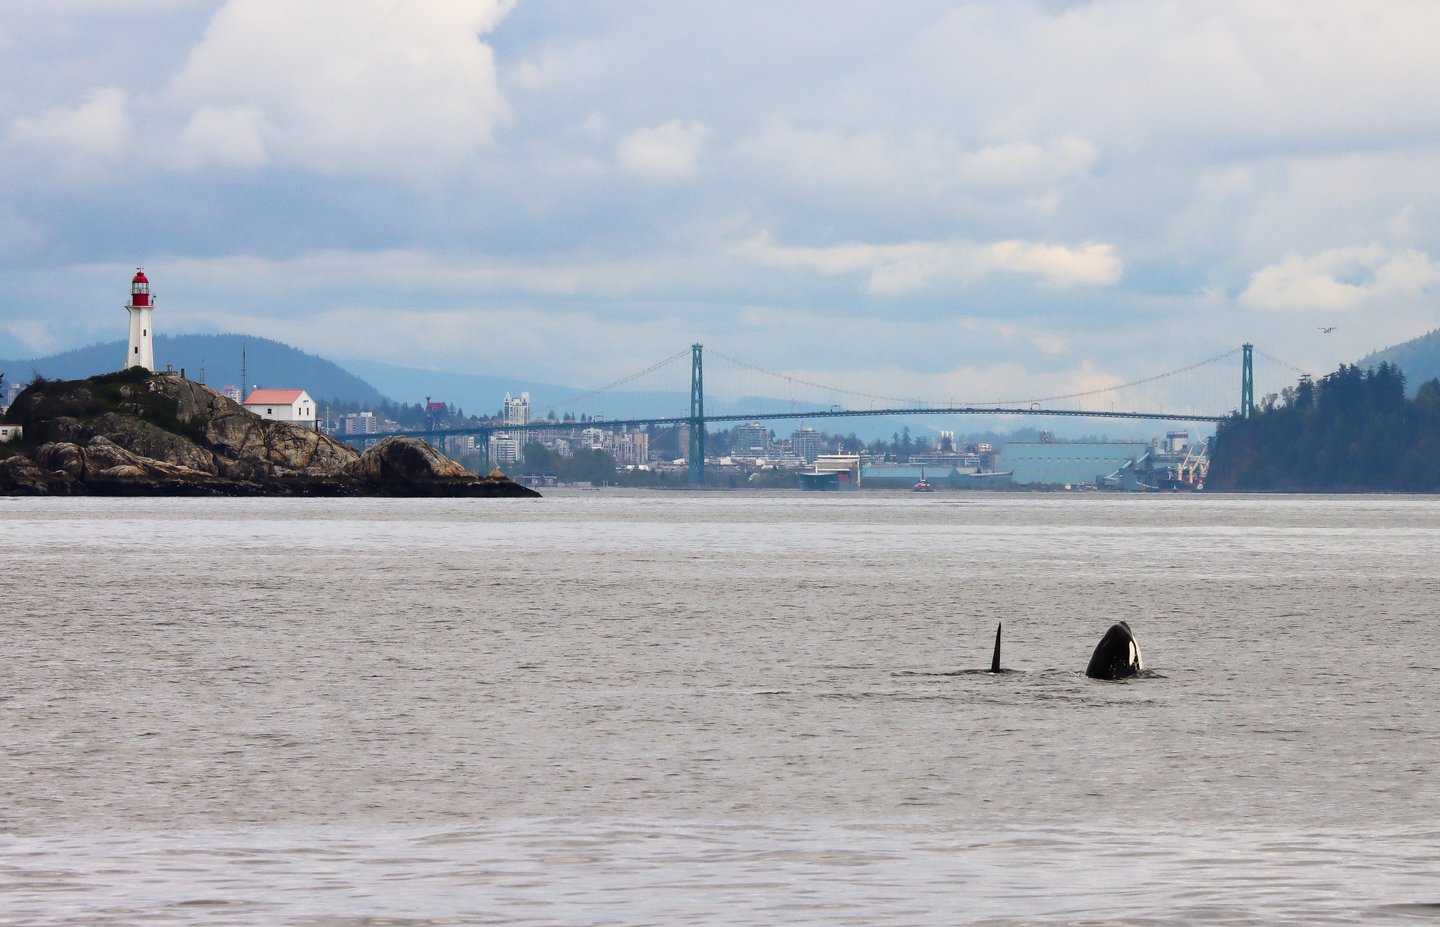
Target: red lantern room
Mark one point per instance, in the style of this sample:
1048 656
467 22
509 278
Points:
139 289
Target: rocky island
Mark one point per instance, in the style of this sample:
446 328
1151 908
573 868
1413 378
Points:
137 433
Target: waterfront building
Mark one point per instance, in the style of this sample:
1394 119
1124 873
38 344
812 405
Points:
359 423
282 405
1071 463
805 444
944 459
629 448
516 409
504 450
141 351
515 414
751 439
905 476
832 471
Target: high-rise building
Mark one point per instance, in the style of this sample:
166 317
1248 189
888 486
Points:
359 423
516 410
504 450
752 439
516 414
805 442
630 448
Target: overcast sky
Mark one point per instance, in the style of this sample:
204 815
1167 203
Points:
920 198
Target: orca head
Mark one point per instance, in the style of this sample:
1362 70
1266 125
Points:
1117 656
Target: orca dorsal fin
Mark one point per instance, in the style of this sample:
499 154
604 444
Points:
995 661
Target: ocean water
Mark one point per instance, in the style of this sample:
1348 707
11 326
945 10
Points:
718 708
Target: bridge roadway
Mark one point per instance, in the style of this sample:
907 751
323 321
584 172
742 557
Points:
537 425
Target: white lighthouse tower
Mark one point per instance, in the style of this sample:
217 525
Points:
141 352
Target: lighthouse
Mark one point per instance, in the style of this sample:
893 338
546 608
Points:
141 352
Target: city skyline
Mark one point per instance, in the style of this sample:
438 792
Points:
944 200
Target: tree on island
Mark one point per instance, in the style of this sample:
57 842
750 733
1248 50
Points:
1352 430
584 466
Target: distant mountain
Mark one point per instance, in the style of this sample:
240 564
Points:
476 393
1418 359
213 360
483 394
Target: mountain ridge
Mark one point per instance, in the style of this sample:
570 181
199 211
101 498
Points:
1418 359
215 359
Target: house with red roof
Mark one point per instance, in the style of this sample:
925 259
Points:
282 405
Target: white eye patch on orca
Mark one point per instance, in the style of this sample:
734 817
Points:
1117 656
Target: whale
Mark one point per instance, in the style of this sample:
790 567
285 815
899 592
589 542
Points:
1117 656
993 669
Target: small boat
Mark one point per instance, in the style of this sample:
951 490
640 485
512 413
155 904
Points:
923 485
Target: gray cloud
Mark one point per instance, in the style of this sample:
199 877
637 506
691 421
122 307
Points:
1119 186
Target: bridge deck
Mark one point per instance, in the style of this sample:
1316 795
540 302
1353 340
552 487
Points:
492 428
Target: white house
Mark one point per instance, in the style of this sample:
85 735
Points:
11 433
282 405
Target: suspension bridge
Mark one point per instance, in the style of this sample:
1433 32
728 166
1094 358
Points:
1193 393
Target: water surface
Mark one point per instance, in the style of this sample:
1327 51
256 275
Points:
617 708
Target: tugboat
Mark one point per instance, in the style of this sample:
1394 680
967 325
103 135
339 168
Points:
923 485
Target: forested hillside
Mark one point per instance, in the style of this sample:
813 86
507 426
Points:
1418 358
211 359
1353 430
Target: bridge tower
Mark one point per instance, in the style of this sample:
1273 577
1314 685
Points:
697 416
1247 382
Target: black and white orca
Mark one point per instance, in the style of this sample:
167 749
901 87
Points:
1117 656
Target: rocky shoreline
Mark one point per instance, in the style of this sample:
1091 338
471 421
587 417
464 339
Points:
137 433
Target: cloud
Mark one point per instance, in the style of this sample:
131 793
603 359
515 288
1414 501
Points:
383 87
923 161
897 269
941 170
666 152
1342 279
578 347
225 137
426 275
19 237
99 127
31 337
1023 165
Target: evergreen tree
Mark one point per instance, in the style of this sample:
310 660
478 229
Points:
1353 430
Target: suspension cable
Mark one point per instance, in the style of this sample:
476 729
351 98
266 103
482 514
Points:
989 402
804 382
1114 389
621 382
1273 359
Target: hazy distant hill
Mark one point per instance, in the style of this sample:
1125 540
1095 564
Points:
482 394
1419 358
212 359
476 393
216 360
